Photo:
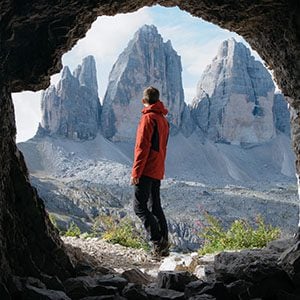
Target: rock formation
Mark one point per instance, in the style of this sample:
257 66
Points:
281 114
72 109
146 61
235 97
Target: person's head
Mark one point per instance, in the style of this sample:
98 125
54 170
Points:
150 95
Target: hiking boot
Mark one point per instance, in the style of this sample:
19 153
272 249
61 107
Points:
156 253
160 248
164 248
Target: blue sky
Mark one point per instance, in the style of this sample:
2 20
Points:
194 39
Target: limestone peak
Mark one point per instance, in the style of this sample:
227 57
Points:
86 73
147 60
72 109
147 30
235 97
66 73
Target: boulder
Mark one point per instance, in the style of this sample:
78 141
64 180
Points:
217 290
239 288
281 245
290 262
180 262
134 291
76 288
104 297
250 265
194 288
136 276
174 280
203 297
34 293
112 280
163 294
53 283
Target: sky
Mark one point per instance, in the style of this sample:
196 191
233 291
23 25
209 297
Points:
194 39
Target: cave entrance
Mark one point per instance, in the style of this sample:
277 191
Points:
219 147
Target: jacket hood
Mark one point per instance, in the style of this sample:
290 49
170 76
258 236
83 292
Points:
158 107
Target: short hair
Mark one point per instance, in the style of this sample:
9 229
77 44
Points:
151 95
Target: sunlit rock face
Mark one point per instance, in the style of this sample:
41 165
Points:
234 98
72 109
281 114
147 60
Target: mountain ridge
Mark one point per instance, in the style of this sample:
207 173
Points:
88 175
147 60
72 109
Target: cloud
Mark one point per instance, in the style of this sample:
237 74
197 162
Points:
105 40
28 114
189 94
195 40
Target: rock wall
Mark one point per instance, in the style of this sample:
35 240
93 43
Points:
29 243
72 109
234 98
146 61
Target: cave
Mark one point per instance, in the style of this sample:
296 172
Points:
35 35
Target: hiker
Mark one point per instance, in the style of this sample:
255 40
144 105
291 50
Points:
148 170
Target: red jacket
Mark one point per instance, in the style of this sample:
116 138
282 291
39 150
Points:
151 142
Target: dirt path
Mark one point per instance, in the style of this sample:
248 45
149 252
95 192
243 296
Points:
113 256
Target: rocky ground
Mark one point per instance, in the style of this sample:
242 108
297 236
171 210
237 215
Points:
106 271
119 259
247 274
113 256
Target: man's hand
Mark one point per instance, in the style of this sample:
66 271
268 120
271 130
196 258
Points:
134 180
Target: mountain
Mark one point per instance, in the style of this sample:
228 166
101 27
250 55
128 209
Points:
235 98
82 171
72 108
147 60
281 114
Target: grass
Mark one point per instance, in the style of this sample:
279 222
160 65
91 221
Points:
112 229
123 232
240 235
73 230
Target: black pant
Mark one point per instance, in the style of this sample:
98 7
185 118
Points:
148 208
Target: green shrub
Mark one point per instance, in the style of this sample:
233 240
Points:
123 232
73 230
240 235
94 233
53 220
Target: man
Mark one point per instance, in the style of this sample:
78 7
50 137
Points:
148 169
